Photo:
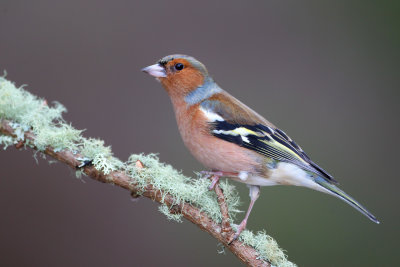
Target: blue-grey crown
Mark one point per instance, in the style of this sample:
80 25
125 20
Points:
194 62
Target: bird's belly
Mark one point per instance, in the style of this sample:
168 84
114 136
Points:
224 156
289 174
283 174
255 180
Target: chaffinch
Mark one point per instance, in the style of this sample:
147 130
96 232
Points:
234 141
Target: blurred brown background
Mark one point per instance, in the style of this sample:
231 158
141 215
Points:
325 72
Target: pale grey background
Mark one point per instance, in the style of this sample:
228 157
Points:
324 71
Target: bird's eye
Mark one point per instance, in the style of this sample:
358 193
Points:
178 66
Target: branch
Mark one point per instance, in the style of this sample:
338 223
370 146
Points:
226 227
244 252
28 121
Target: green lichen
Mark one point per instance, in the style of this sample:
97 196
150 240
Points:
182 188
28 112
6 141
170 216
100 155
266 247
62 137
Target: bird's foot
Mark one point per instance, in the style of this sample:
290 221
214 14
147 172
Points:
218 173
208 174
215 175
214 181
240 228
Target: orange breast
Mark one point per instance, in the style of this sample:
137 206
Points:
212 152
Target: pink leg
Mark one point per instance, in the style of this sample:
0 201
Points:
215 175
254 194
219 173
215 179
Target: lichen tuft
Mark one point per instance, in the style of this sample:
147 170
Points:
28 112
170 216
6 141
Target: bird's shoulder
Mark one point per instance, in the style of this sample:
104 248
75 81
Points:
233 110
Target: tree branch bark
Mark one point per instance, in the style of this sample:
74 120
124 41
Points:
245 253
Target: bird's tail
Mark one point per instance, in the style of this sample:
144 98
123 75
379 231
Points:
334 190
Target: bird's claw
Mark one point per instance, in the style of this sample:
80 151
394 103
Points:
211 173
215 175
240 228
234 238
215 179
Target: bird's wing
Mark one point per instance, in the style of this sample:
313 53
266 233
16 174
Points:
236 123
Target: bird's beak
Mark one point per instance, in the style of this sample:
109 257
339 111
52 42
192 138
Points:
155 70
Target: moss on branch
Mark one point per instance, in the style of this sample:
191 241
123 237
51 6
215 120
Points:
27 113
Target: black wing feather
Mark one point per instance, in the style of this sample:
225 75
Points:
261 144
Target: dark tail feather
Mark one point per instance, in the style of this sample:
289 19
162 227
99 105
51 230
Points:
342 195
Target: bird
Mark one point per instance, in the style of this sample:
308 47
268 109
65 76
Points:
231 140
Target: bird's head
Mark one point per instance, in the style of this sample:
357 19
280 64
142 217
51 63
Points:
179 74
